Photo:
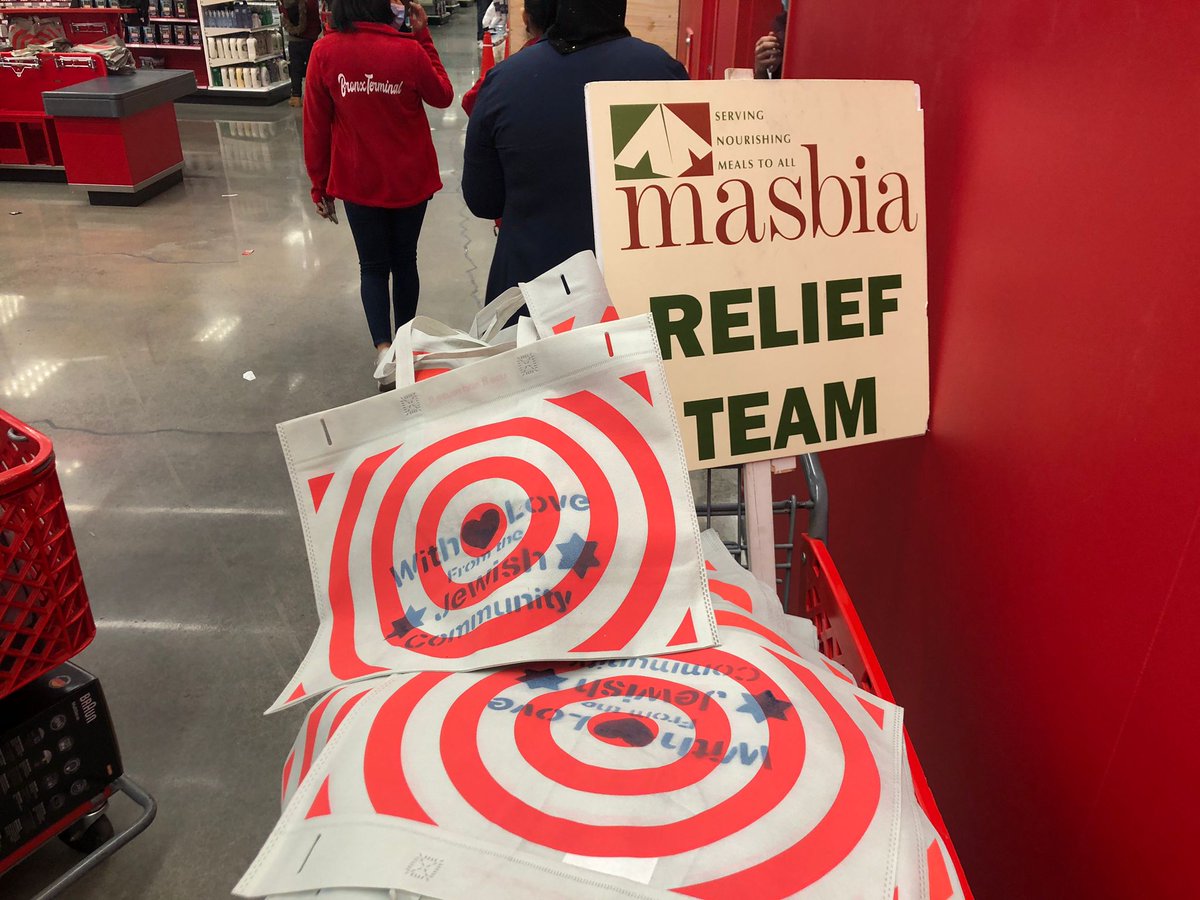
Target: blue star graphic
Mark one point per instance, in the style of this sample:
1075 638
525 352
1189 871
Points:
578 555
405 624
542 678
764 706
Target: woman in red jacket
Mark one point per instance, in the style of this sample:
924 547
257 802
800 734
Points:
367 143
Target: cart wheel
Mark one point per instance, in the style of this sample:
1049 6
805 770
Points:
90 838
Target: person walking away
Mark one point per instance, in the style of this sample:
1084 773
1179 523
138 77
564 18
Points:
302 22
526 155
367 143
536 19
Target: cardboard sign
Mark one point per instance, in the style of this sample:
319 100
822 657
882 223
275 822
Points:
533 505
776 232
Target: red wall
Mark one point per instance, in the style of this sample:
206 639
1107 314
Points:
1030 571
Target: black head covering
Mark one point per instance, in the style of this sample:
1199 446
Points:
585 23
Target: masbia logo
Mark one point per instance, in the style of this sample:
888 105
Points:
661 140
786 208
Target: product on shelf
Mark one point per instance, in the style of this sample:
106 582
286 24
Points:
238 15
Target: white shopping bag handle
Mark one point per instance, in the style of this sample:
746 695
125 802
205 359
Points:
490 320
402 348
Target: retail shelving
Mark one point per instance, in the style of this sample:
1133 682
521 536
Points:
260 19
219 63
69 11
215 32
194 47
170 38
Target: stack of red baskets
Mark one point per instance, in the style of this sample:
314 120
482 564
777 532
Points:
44 614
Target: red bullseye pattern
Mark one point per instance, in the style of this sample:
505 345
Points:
543 753
479 788
714 814
502 447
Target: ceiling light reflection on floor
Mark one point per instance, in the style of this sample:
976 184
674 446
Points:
221 328
10 307
27 382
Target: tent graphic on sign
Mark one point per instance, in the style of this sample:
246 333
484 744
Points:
661 140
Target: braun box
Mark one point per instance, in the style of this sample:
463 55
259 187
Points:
57 752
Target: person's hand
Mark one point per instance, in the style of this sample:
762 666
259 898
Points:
324 207
417 17
766 55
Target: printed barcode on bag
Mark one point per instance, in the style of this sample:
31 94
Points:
410 404
527 364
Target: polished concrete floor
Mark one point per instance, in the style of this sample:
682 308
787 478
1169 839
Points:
124 335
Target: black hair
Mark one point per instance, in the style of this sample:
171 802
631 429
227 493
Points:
347 12
541 13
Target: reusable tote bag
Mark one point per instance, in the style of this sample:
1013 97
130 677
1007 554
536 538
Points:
569 296
533 505
428 347
738 771
924 869
736 604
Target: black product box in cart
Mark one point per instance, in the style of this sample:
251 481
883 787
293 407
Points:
57 751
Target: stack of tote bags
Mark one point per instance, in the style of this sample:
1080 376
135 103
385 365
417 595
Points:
533 676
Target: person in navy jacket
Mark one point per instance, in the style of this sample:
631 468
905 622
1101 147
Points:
526 156
367 143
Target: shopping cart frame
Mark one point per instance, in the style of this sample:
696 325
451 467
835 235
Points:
89 819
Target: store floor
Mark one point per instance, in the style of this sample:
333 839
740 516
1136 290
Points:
124 335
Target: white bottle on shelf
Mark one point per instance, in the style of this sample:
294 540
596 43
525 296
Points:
251 48
212 48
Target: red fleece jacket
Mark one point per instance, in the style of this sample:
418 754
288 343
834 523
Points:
366 137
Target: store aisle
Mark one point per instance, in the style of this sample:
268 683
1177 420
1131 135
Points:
124 334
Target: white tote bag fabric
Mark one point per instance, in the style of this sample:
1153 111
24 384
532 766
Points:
490 323
738 605
925 870
534 505
426 347
738 771
739 599
569 296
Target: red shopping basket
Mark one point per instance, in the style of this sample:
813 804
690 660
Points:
44 613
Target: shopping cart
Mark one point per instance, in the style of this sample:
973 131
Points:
45 620
825 598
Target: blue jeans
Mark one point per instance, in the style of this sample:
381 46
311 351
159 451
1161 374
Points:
386 240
